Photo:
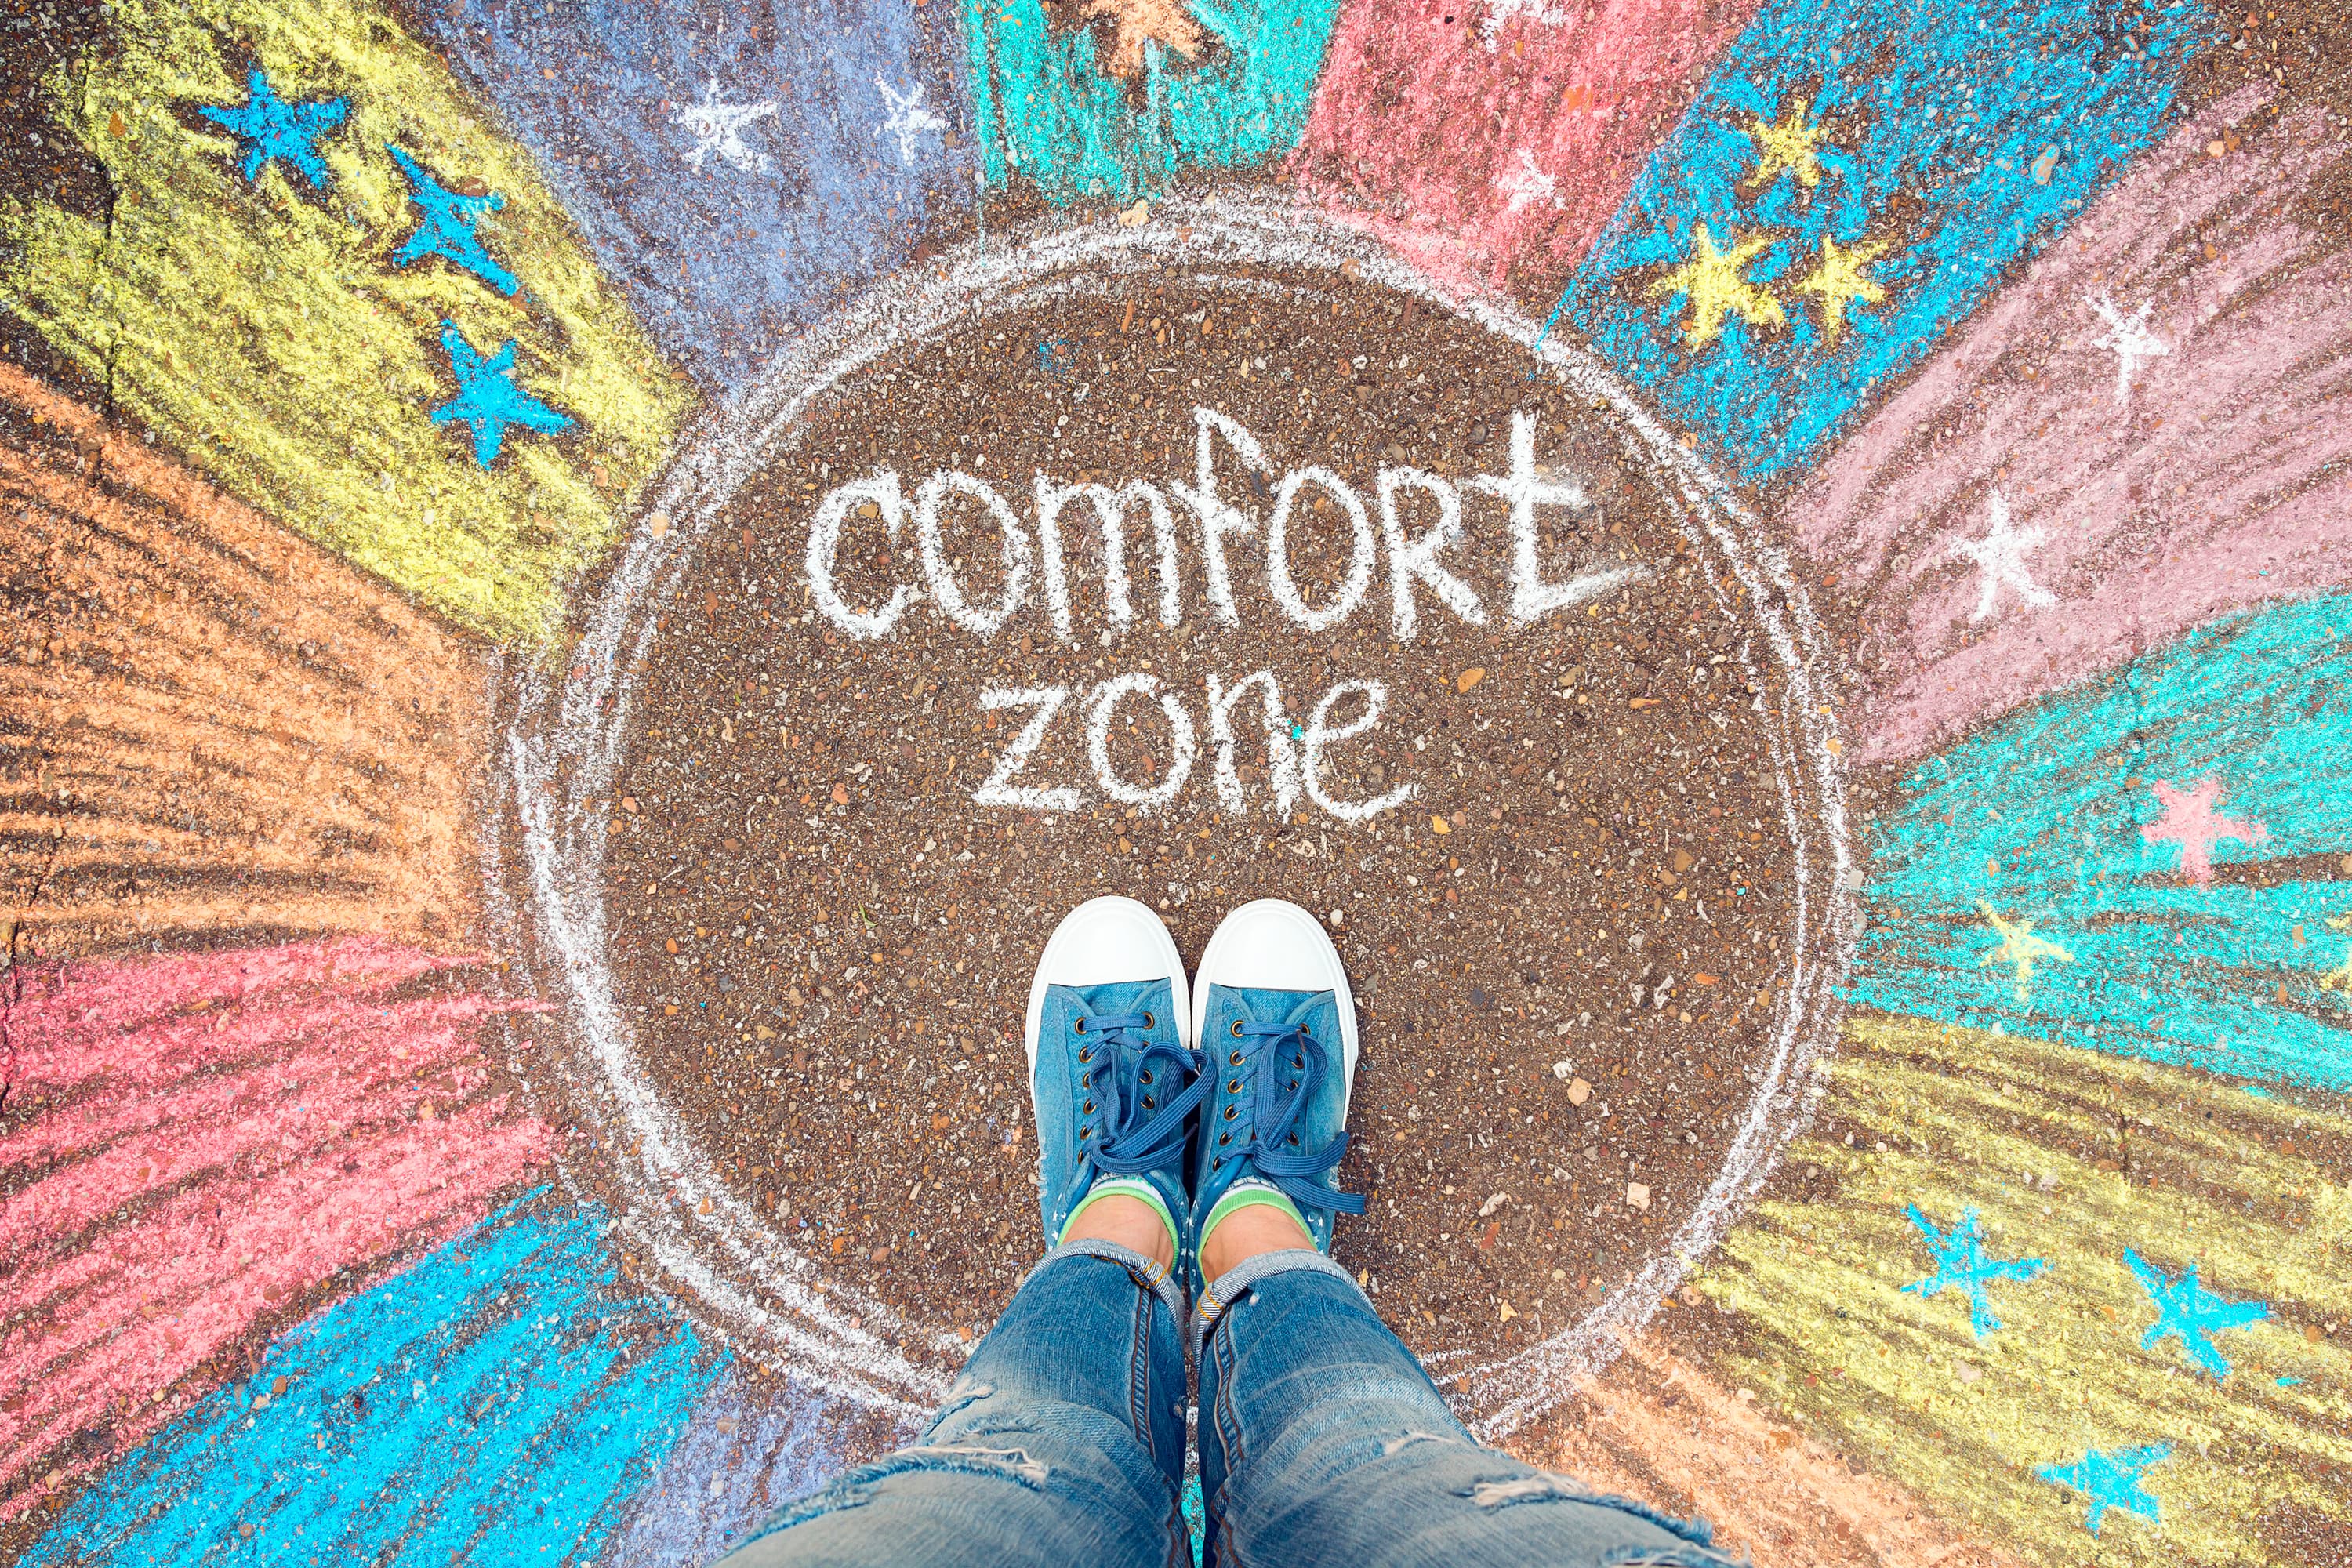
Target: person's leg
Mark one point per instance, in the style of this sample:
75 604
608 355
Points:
1322 1439
1062 1441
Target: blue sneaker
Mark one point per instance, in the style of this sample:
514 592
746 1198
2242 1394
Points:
1112 1073
1275 1024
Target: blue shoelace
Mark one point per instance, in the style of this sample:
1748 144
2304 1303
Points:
1123 1143
1276 1110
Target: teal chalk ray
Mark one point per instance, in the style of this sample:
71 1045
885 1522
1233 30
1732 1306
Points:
1045 111
1936 115
498 1402
2039 818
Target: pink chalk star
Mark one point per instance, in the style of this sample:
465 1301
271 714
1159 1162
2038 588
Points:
2188 821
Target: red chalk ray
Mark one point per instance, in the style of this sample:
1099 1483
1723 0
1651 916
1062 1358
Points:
2202 473
215 1137
1508 139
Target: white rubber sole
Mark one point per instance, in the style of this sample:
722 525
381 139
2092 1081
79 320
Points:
1273 944
1106 941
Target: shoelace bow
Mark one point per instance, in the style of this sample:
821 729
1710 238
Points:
1277 1108
1126 1145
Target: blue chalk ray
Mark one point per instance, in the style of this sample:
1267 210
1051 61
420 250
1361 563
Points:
1961 1265
2190 1313
2039 876
499 1402
1047 109
446 225
737 178
1864 171
2111 1480
487 398
268 128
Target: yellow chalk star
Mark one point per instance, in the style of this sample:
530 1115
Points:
1788 145
1711 279
2020 947
1838 281
2342 974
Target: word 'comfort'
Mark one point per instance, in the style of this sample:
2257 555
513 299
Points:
1033 549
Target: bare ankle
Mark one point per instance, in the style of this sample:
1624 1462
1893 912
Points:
1246 1232
1131 1222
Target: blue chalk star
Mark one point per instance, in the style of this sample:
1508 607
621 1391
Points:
272 128
448 230
2111 1480
1961 1265
487 398
2191 1313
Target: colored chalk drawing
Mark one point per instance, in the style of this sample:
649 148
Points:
570 736
1954 117
1048 111
846 146
502 1397
270 331
2083 1160
2052 828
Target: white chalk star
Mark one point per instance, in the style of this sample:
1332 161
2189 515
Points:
2000 556
1527 185
2132 342
1490 27
717 126
908 119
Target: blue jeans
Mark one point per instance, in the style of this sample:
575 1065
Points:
1322 1440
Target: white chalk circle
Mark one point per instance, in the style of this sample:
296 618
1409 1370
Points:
565 739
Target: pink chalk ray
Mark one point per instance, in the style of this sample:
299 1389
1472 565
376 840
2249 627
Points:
1508 137
2153 409
196 1144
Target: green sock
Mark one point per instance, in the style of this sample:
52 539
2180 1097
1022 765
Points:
1134 1187
1244 1194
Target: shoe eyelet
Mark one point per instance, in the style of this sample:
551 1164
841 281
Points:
1090 1108
1299 1062
1238 1028
1223 1139
1234 1060
1147 1075
1294 1138
1229 1113
1147 1105
1233 1086
1077 1026
1149 1021
1086 1055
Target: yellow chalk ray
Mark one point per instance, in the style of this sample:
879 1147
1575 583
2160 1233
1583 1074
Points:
262 331
2069 1156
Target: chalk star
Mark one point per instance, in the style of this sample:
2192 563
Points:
1135 22
1961 1265
447 229
1490 25
1528 184
2189 1312
2020 947
1711 280
908 119
1838 281
2111 1480
717 126
487 398
2000 556
1788 145
272 128
2189 822
2132 342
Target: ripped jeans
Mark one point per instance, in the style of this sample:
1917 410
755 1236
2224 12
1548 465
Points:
1322 1440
